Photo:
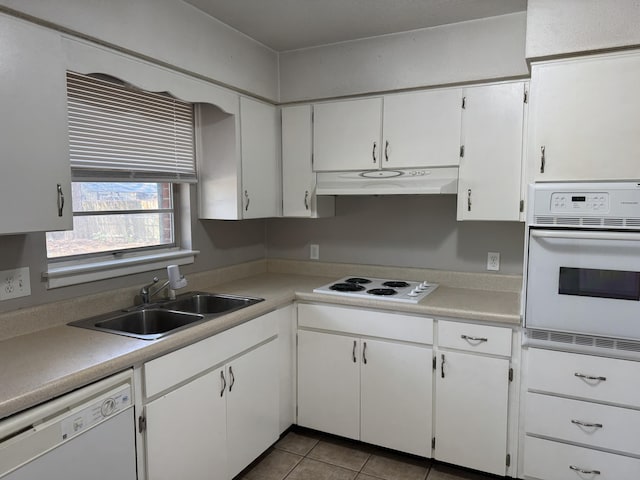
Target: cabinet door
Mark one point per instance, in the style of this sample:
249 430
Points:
252 406
584 114
329 383
260 138
298 179
186 431
346 135
396 396
491 168
33 130
422 129
471 411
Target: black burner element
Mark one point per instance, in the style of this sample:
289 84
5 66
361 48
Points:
346 287
394 284
382 291
357 280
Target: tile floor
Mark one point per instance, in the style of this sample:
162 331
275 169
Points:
308 455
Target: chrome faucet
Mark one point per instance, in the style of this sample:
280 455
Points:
174 282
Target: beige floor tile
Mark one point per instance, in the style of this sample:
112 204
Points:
448 472
276 465
340 453
299 443
389 466
364 476
309 469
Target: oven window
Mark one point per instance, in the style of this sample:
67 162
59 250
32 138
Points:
590 282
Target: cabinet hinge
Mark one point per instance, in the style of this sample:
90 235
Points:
521 206
464 102
434 362
142 423
508 459
526 97
461 151
433 442
511 374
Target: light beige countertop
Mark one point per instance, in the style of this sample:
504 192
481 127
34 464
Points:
46 362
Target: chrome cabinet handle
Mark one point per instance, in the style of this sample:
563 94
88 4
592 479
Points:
364 353
469 338
543 160
586 424
442 366
373 152
224 382
386 151
306 199
353 353
232 377
247 200
590 377
60 200
469 200
583 471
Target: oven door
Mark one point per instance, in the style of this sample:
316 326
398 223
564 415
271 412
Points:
584 282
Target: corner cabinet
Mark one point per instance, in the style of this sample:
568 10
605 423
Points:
359 377
298 179
472 396
35 189
238 163
418 129
584 121
490 173
219 398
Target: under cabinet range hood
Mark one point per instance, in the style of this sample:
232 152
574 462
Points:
413 181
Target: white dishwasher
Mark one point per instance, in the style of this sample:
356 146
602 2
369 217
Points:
85 434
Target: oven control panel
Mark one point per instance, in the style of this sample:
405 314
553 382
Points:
583 202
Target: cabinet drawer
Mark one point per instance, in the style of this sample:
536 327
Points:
614 428
169 370
475 338
393 326
544 459
584 376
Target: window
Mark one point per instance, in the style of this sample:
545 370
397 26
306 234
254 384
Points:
130 151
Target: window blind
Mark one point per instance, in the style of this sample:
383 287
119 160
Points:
117 133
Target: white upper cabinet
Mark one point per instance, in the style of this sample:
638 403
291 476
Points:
584 119
298 178
238 161
346 135
411 130
35 189
260 138
422 129
489 185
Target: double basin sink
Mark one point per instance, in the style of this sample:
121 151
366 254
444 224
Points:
153 321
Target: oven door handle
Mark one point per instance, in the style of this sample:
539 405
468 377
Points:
582 235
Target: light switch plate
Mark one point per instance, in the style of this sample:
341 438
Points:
314 251
15 283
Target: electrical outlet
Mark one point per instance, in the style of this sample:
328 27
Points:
493 261
314 251
15 283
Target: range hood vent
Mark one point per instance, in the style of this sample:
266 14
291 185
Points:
440 180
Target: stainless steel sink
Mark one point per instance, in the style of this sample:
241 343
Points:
208 303
150 322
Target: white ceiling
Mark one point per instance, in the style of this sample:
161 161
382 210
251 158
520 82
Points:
292 24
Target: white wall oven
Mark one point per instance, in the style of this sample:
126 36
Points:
583 262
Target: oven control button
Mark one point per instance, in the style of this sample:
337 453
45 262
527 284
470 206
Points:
413 293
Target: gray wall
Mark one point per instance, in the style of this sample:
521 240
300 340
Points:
569 26
409 231
462 52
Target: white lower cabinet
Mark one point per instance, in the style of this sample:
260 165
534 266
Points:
582 417
213 407
378 390
472 396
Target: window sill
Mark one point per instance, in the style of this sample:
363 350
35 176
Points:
63 275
